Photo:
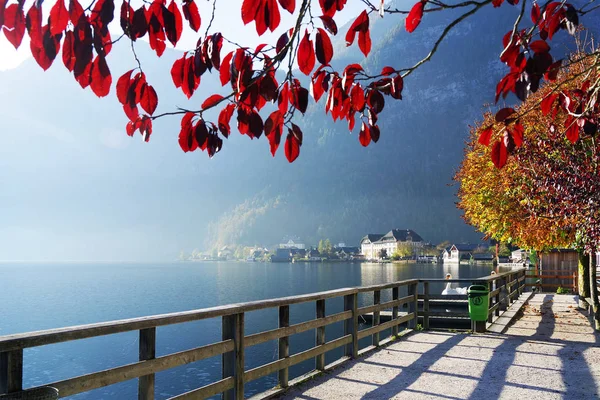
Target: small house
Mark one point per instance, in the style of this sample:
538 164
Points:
458 252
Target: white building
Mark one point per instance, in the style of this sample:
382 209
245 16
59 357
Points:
373 245
292 245
457 252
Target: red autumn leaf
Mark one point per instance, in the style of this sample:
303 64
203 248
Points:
284 98
271 9
504 113
131 111
139 26
123 86
323 47
299 97
329 24
68 51
191 14
517 132
387 71
364 42
214 50
105 12
75 11
274 130
33 21
375 133
59 18
499 154
255 125
485 136
547 103
292 146
539 46
360 24
316 86
224 118
376 101
101 78
552 72
249 10
149 99
211 101
357 95
289 5
173 23
14 25
126 17
85 76
189 82
177 71
414 16
44 50
224 71
535 13
187 139
306 55
201 134
364 137
2 9
572 131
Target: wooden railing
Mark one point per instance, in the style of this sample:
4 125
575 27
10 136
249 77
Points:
231 348
503 288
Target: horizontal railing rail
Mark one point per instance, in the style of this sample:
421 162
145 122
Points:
231 348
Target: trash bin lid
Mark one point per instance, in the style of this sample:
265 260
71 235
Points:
478 289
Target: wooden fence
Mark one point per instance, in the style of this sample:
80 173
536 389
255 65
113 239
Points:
503 288
553 279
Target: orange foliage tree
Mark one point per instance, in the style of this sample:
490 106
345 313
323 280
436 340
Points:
546 194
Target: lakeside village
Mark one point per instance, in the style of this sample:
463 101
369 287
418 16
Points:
398 245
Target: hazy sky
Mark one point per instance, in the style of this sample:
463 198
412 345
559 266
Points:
63 193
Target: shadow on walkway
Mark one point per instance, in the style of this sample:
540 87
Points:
547 353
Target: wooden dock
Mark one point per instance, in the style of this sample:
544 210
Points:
388 316
550 352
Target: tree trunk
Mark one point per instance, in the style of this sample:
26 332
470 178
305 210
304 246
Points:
584 278
594 290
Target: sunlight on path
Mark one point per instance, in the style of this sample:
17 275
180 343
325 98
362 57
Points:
550 352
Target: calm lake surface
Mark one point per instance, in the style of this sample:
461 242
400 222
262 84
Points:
44 296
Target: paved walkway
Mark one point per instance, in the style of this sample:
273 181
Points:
551 352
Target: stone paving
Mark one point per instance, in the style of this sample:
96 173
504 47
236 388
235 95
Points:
550 352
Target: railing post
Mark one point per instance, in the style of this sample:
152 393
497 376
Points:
233 361
351 324
503 295
321 334
376 316
395 311
147 352
492 284
11 371
413 306
426 305
284 344
510 289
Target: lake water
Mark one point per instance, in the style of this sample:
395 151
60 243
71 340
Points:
44 296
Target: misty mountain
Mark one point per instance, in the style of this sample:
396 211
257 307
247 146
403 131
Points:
75 186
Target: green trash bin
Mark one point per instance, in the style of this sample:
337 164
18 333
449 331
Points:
478 302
